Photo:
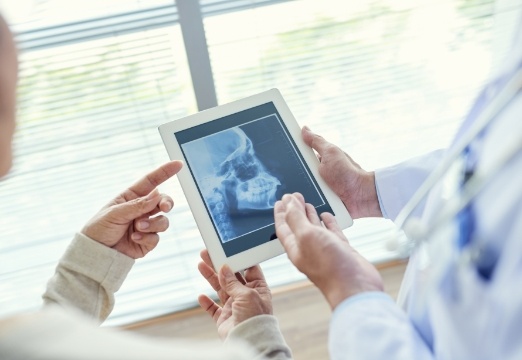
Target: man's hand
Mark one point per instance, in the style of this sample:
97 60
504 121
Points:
354 185
323 253
127 223
241 297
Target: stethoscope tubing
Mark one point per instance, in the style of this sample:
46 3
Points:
476 183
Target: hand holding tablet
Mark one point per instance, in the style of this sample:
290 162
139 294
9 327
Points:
240 159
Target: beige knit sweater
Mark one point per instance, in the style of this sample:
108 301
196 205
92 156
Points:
80 295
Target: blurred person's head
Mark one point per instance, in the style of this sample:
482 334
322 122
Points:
8 81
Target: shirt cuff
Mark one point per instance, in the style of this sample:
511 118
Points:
388 194
364 297
98 262
381 205
353 321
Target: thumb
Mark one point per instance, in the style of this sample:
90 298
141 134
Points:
130 210
316 142
229 282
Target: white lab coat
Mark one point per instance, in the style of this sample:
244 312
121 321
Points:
447 310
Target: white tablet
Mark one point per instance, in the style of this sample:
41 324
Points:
240 158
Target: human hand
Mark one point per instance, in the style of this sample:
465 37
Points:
127 223
241 297
354 185
323 254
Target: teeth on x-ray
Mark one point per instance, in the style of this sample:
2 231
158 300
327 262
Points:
244 178
241 182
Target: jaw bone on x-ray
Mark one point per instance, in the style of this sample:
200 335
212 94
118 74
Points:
232 179
245 180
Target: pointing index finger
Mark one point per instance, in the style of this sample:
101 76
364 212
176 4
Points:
156 177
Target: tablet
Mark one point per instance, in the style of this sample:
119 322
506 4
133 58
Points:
240 158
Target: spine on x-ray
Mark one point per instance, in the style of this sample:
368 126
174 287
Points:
219 210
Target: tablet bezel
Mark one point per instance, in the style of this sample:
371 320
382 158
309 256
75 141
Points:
197 205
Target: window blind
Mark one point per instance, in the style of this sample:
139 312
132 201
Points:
91 96
385 80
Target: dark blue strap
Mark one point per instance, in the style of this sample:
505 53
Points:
484 258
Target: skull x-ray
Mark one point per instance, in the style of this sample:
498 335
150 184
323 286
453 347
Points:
242 176
231 178
241 171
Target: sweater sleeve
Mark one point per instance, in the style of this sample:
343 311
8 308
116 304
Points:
87 276
396 184
55 334
262 333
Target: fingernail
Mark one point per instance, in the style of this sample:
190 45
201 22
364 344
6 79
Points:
167 207
306 128
286 198
142 225
136 236
152 194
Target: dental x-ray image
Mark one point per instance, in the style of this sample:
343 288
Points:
241 171
236 186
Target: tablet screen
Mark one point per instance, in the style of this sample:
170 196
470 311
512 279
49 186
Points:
241 164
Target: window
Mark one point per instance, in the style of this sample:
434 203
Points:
385 80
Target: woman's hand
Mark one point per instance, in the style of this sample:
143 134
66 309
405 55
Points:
128 222
241 297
